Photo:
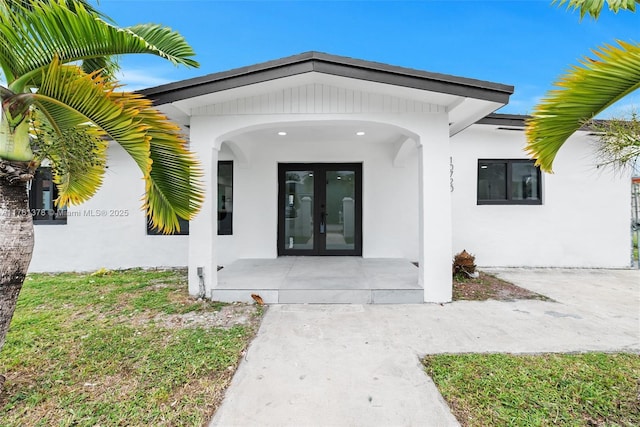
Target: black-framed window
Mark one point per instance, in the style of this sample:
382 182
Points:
184 229
225 204
509 182
42 194
225 197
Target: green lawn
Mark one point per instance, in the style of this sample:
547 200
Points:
593 389
117 348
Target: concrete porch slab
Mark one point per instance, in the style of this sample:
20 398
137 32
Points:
341 280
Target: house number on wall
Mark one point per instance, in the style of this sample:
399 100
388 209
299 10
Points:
451 173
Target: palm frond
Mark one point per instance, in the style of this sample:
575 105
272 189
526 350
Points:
583 92
171 172
70 97
78 158
169 160
168 41
107 66
30 40
78 183
594 7
17 6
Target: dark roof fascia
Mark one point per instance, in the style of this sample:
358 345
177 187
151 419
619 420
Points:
334 65
519 121
497 119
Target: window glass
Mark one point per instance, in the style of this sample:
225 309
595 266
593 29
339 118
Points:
184 229
524 181
492 181
42 196
225 197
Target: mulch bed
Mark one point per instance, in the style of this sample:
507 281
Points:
488 287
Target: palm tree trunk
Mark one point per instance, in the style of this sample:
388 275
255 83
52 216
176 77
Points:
16 238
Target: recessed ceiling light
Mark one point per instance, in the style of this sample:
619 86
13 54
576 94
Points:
360 133
282 133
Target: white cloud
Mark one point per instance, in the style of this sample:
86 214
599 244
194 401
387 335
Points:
136 79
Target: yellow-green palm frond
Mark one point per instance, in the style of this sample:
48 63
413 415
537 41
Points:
171 159
106 65
594 7
172 45
30 40
583 92
78 182
13 6
68 98
77 156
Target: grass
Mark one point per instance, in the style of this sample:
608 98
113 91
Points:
115 348
594 389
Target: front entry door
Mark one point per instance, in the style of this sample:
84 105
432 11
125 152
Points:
319 209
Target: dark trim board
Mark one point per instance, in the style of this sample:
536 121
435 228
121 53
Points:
334 65
515 120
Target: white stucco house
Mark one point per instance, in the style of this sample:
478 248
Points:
321 155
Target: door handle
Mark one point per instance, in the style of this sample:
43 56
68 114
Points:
322 222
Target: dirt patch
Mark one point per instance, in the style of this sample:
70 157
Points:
487 286
236 314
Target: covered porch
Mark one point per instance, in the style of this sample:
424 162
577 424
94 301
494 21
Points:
291 129
320 280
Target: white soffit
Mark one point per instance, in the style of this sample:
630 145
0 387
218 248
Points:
435 98
468 112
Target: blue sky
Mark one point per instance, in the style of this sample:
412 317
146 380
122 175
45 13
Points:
527 44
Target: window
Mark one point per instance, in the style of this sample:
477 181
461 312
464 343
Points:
184 229
225 204
225 198
42 194
508 182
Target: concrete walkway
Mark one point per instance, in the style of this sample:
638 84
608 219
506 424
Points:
358 365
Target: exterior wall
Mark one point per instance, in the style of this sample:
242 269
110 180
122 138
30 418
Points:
390 210
583 220
89 242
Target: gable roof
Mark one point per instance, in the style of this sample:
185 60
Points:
334 65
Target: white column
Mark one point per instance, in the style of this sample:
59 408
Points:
435 231
203 229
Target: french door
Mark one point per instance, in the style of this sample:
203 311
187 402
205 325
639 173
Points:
320 209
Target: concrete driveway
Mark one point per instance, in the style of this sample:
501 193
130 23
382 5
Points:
359 365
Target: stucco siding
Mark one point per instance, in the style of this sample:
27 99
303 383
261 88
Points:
583 220
109 230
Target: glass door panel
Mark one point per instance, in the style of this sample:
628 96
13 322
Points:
298 209
340 210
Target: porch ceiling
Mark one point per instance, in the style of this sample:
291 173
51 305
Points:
313 132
